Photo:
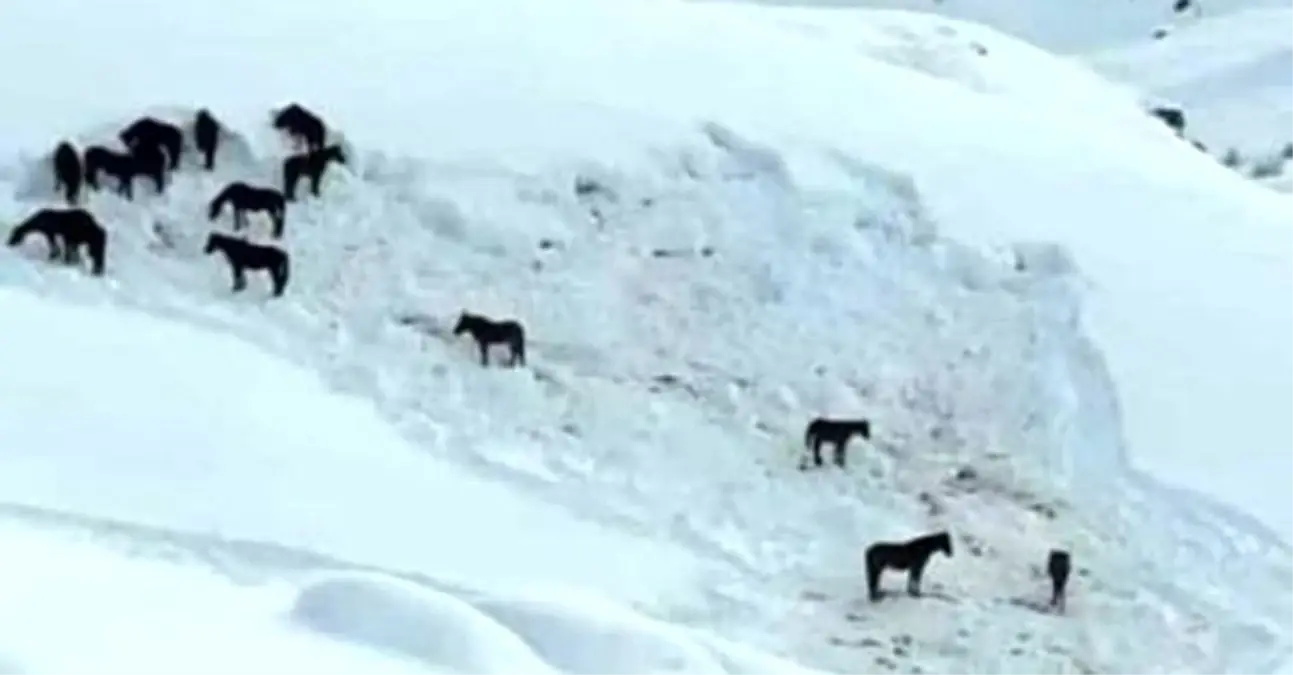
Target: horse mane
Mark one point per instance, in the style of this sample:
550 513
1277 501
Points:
932 542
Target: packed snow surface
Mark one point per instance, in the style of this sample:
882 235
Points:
715 223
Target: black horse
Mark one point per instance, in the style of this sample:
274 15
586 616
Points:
487 332
206 134
243 255
1058 565
147 131
910 555
313 164
245 198
144 160
66 230
836 431
67 171
302 125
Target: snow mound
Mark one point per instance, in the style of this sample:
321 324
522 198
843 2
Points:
480 632
417 622
590 635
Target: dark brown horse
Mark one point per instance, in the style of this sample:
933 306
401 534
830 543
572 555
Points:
910 555
488 332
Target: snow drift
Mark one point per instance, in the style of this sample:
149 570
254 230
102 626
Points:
767 227
117 375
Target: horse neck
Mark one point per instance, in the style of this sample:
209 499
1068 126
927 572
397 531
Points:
225 247
20 233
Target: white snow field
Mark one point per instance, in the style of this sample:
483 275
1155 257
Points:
714 228
182 486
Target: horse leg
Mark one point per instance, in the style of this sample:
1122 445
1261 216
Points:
913 578
238 222
277 215
316 178
289 183
54 251
817 452
840 447
239 278
484 352
873 570
159 179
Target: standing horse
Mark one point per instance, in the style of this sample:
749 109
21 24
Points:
159 134
245 198
66 230
836 431
206 134
487 332
302 125
243 255
67 171
144 160
1058 565
312 164
910 555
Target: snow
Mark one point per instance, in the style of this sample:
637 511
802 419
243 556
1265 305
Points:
789 216
1232 74
283 461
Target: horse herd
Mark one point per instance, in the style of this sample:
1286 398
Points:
154 148
153 151
912 555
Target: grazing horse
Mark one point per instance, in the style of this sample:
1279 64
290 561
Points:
67 171
302 125
312 164
245 198
152 131
144 160
206 133
910 555
487 332
243 255
1058 565
836 431
66 230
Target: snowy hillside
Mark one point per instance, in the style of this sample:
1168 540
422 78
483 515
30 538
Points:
237 584
1064 27
1233 76
705 255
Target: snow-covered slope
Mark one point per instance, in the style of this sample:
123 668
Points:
1232 74
192 524
1065 27
756 244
